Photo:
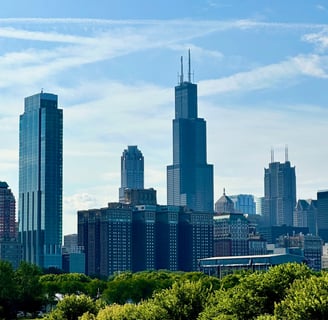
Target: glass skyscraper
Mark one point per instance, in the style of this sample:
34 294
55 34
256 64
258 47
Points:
132 170
41 180
189 178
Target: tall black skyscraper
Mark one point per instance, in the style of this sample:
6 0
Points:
279 193
189 178
322 214
41 180
132 170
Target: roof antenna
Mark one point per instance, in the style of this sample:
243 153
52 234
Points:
189 70
181 75
286 153
272 155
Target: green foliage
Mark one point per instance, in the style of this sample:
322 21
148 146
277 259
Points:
72 307
305 300
8 290
31 295
184 301
254 294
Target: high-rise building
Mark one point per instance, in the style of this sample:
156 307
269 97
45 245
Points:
224 204
189 178
244 203
305 215
322 214
40 180
132 170
10 248
7 213
279 193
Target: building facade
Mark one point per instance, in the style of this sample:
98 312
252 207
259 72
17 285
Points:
189 178
40 180
279 194
322 214
132 170
244 203
10 248
305 215
143 237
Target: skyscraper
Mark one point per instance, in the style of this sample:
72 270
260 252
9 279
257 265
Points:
279 193
132 170
10 248
322 214
7 213
40 180
189 178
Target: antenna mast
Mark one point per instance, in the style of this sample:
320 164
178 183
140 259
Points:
181 75
189 69
272 155
286 153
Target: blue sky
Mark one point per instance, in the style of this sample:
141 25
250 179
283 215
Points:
261 69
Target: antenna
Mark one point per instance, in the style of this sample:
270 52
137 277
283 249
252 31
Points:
189 69
272 155
286 153
181 75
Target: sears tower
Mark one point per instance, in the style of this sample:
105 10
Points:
189 178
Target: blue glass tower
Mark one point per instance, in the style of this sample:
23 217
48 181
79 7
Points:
189 178
41 180
132 170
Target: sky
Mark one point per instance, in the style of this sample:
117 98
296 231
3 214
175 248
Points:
261 68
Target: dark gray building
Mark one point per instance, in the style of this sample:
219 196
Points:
322 217
40 180
132 170
305 215
189 178
279 194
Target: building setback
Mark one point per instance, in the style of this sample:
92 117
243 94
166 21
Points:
40 180
189 178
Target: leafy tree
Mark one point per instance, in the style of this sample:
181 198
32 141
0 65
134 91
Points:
255 294
306 299
72 307
8 290
184 301
31 295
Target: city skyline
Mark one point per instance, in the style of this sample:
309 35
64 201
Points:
261 71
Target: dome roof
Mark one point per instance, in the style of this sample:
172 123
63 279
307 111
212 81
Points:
224 204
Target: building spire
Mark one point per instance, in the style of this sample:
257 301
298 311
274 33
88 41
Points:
272 155
189 67
286 153
181 75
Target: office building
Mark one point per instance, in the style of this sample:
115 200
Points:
132 170
10 248
244 203
143 237
7 213
189 178
305 215
224 204
322 217
308 246
40 180
279 193
230 234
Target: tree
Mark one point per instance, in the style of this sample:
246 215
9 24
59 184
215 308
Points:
184 301
31 295
72 307
306 299
8 290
